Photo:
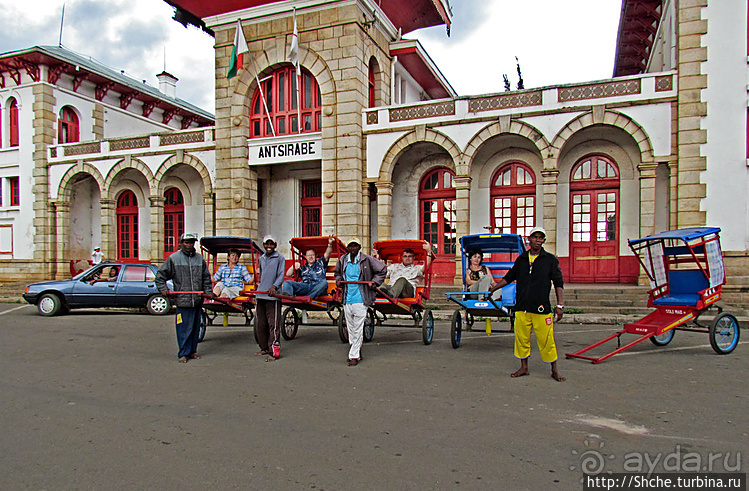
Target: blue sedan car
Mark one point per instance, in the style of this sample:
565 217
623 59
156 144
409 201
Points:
104 285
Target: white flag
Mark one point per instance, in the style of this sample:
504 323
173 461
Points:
294 53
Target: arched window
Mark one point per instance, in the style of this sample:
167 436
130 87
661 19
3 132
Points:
13 122
437 205
67 130
127 227
174 220
279 91
513 193
594 202
372 85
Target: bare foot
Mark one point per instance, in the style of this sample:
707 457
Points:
520 373
262 353
270 358
557 377
193 356
182 359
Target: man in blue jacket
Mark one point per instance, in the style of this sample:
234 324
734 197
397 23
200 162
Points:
355 266
535 271
189 272
271 266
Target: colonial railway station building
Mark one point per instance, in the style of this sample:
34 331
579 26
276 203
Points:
370 140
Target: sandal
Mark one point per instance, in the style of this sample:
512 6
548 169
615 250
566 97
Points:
193 356
182 359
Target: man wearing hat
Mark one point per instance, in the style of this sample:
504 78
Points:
189 272
271 266
97 256
535 270
355 266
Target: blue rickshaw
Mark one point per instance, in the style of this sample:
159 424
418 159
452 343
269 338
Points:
502 249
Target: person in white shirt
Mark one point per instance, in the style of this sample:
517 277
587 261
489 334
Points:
97 255
405 276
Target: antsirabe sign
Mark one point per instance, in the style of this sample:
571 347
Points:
283 149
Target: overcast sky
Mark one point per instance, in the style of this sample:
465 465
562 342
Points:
555 41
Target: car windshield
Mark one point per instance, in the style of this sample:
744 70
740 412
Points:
83 273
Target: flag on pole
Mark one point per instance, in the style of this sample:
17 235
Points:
294 58
240 47
294 53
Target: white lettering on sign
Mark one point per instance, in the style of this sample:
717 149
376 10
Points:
284 149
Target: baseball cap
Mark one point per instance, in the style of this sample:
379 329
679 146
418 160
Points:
97 247
186 237
537 229
269 238
353 240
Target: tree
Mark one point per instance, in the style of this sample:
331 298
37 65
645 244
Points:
521 86
507 82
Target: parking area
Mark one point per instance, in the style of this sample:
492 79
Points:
97 398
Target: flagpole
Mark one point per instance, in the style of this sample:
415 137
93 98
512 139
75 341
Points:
294 58
262 96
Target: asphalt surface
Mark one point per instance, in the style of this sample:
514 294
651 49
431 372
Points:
96 399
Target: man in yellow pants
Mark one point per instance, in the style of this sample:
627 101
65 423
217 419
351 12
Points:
535 270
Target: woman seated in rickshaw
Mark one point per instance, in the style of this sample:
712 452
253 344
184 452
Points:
478 277
231 277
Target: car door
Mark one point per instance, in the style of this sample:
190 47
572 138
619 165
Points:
90 293
136 285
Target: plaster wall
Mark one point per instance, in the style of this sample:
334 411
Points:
727 174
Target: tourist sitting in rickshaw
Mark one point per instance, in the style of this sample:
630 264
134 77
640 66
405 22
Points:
231 277
478 277
314 283
406 275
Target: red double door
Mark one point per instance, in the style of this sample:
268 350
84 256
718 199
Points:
594 245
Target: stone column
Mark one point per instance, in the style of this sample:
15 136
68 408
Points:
45 125
61 211
463 216
209 212
384 210
647 197
365 237
108 228
550 177
157 228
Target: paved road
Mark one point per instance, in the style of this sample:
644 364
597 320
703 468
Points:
97 399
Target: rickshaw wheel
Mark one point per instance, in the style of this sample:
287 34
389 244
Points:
369 325
254 330
664 338
337 309
724 334
456 326
203 324
290 324
342 330
427 326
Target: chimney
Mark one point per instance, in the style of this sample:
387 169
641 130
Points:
167 84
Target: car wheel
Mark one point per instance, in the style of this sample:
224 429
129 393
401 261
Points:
158 305
49 304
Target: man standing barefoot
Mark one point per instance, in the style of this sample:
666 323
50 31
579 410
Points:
535 270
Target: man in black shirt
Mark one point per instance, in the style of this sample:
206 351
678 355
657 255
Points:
535 270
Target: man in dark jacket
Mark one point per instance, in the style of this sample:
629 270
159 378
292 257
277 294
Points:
271 266
535 270
355 266
189 272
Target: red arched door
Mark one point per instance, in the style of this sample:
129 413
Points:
174 220
513 193
127 227
594 221
438 221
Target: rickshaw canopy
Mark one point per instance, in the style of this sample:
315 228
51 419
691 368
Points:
219 244
493 243
319 244
392 250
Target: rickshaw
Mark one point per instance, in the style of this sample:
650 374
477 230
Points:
329 303
686 273
211 247
503 250
415 307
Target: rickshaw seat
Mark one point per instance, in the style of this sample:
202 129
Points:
683 288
